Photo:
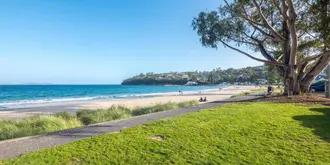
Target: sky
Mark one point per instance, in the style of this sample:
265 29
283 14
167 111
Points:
104 41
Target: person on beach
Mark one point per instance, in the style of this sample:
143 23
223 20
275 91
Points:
204 99
269 90
201 99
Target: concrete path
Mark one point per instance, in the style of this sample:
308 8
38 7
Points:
16 147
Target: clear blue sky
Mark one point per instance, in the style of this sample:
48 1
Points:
103 41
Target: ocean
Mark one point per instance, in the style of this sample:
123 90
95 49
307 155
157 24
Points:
20 96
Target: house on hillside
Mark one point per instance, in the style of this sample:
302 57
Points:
190 83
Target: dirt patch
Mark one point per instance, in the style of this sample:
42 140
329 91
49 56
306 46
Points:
158 138
306 99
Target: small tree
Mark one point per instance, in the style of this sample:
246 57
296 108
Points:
291 35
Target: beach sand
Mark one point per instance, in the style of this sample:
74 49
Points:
130 103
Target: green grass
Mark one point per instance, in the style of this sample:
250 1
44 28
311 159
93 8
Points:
162 107
45 124
36 125
249 133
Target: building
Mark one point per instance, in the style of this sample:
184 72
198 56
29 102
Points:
189 83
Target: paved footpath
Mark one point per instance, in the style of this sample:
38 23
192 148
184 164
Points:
16 147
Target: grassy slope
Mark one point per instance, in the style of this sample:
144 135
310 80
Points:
250 133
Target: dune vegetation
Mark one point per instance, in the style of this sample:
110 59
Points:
50 123
36 125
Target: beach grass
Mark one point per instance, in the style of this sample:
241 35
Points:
255 91
163 107
102 115
97 116
63 120
36 125
242 133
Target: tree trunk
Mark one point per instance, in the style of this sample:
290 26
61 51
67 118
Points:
304 88
321 64
299 83
291 83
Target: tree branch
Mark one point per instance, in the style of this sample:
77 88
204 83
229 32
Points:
252 57
265 53
279 9
255 25
277 35
320 65
311 58
293 33
244 42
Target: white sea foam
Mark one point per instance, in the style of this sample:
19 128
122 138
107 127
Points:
54 101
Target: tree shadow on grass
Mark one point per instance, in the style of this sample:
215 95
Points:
320 123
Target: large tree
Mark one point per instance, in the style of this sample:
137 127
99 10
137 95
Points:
291 35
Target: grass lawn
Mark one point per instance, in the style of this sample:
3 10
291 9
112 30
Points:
247 133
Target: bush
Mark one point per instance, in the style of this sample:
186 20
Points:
162 107
188 103
91 117
35 125
64 115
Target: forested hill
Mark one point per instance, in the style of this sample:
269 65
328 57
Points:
216 76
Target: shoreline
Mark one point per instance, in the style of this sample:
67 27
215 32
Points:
71 107
32 103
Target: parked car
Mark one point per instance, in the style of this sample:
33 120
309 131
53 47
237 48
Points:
317 87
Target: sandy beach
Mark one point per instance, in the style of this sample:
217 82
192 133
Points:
130 103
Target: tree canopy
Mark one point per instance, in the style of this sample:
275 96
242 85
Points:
216 76
291 35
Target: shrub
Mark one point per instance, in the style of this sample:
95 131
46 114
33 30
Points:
35 125
97 116
188 103
163 107
64 115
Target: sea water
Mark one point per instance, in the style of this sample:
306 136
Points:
18 96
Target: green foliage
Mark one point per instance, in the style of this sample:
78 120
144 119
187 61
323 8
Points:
216 76
162 107
294 36
187 103
272 75
64 115
249 133
97 116
35 126
318 19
